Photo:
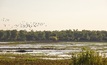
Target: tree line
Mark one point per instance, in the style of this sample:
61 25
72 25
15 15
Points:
63 35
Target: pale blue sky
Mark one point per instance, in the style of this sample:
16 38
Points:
56 14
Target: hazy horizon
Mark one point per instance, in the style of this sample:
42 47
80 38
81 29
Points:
54 14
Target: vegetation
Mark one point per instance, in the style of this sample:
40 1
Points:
64 35
12 59
88 57
33 62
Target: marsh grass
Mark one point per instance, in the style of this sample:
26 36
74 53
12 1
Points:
27 59
85 57
32 61
88 57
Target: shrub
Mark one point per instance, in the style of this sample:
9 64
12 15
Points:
88 57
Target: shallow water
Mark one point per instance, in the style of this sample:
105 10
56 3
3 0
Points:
61 49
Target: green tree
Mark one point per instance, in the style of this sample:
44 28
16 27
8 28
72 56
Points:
47 34
14 35
40 35
30 36
22 35
1 35
8 35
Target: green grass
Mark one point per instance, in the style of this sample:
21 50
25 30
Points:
88 57
32 61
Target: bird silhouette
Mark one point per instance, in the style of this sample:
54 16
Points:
22 24
4 25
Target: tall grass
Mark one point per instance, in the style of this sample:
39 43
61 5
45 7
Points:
26 59
88 57
33 62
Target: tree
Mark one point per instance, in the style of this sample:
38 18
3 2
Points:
53 38
22 35
8 35
40 36
64 35
1 35
47 34
14 35
30 36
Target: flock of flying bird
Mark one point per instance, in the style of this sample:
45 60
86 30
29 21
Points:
23 24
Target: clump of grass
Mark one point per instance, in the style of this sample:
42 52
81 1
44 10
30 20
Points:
88 57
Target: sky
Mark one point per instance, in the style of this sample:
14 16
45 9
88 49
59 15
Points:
53 14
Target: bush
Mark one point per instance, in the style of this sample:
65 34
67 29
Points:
88 57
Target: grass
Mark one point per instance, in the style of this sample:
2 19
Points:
33 62
28 60
88 57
